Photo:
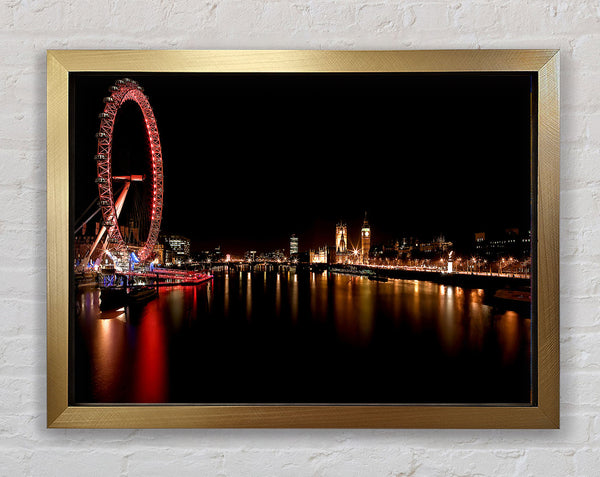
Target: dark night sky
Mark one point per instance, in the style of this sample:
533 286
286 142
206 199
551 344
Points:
251 159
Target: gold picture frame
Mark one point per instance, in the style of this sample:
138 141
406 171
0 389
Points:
60 414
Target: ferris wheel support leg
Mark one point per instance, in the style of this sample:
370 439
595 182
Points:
88 256
118 208
121 198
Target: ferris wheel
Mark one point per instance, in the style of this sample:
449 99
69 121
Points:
113 189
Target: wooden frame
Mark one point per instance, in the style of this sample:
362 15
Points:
544 63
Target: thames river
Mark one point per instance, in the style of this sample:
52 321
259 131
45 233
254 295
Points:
284 337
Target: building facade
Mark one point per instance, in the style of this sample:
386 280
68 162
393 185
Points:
319 255
293 245
508 243
341 242
179 247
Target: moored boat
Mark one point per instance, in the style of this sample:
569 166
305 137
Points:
117 297
514 295
378 278
518 300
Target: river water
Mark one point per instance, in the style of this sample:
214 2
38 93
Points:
285 337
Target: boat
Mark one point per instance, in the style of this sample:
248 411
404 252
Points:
117 297
516 300
378 278
514 295
86 279
353 270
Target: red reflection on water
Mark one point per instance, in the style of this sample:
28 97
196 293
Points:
150 382
108 346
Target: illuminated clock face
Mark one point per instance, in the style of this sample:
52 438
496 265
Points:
366 233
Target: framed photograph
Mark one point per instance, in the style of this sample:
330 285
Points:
303 239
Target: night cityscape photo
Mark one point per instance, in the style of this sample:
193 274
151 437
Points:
283 238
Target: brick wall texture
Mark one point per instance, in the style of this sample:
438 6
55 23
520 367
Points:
29 28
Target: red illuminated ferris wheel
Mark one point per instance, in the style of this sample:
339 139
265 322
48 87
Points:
126 90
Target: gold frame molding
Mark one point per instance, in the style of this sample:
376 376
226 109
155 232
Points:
61 415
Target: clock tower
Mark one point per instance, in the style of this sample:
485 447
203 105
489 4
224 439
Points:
365 240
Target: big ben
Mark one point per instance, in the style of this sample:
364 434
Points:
365 240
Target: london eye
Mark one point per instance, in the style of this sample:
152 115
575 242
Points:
117 177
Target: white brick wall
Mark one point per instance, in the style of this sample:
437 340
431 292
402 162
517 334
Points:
29 27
